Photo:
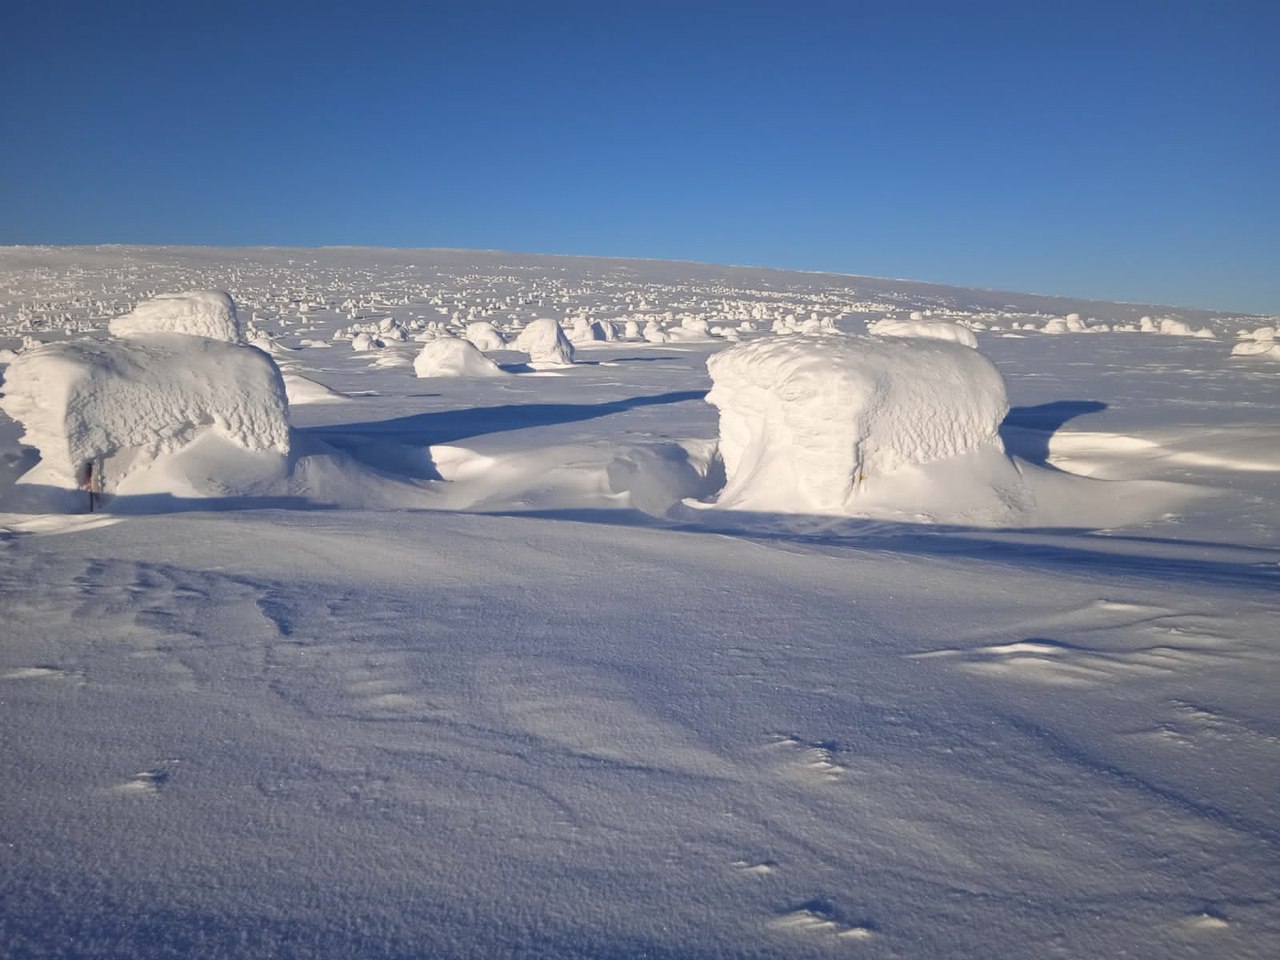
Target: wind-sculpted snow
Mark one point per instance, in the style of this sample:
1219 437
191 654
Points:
928 329
121 404
545 342
807 423
201 313
1260 343
478 670
453 357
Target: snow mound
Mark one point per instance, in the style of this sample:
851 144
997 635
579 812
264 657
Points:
1267 349
303 390
200 313
485 335
808 424
1071 323
120 405
545 343
453 357
1261 342
930 329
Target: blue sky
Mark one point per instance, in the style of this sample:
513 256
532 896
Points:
1123 150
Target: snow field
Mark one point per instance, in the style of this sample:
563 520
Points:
469 679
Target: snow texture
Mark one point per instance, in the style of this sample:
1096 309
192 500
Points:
121 404
201 313
805 421
453 357
485 335
545 343
468 675
1261 343
929 329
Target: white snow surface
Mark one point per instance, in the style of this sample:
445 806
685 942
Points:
200 313
466 675
806 422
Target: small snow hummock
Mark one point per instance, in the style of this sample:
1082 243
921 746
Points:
807 423
200 313
453 357
545 343
932 329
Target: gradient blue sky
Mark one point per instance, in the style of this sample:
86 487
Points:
1123 150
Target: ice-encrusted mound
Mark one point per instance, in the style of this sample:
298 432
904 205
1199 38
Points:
807 423
930 329
121 404
545 343
200 313
1261 342
1268 349
485 335
453 357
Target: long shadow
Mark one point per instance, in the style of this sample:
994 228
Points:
1078 551
446 426
38 499
1026 430
1074 551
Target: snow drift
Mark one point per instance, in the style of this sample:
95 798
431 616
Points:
453 357
120 405
808 424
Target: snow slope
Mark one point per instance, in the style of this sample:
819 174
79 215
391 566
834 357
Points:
476 679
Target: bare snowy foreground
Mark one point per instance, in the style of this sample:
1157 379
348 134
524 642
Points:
547 656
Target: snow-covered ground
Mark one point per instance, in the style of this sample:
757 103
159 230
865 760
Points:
490 667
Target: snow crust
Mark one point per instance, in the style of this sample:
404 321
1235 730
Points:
453 357
807 422
200 313
122 404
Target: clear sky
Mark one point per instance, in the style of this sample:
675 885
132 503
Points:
1123 150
